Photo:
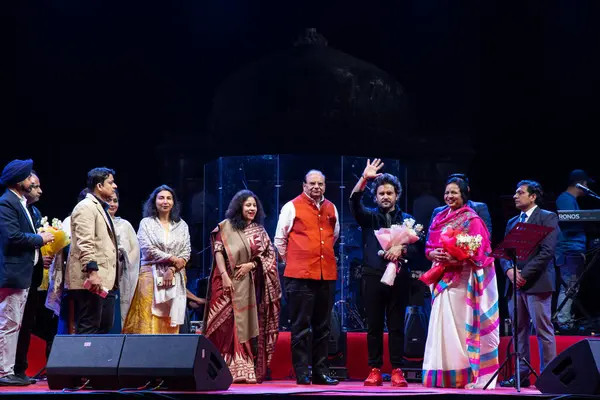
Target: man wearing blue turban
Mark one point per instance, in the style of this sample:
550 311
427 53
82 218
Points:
19 252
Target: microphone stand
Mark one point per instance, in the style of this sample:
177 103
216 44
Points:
519 358
588 191
517 245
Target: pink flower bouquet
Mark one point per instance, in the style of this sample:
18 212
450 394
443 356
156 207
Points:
397 235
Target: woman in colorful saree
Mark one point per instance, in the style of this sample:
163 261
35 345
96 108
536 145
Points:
463 336
244 293
159 302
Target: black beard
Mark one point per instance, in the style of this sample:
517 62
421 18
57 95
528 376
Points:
386 209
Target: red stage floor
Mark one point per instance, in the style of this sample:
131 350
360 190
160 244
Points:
356 364
353 388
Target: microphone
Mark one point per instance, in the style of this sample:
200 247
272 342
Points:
381 253
587 190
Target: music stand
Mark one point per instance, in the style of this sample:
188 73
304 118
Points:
520 242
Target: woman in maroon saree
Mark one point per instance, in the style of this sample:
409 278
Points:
244 292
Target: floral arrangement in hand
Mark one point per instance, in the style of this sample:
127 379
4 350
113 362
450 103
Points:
397 235
61 239
459 245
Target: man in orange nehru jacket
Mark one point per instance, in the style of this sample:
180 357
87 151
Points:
307 229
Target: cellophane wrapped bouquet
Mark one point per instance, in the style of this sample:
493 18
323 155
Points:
459 245
396 235
61 240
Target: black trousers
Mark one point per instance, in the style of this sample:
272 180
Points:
309 304
46 322
40 321
383 302
92 314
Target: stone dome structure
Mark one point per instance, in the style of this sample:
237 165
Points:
309 89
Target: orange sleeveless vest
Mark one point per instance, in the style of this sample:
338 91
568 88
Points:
310 243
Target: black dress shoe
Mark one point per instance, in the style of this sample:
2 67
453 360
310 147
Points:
13 380
512 382
322 379
303 380
24 377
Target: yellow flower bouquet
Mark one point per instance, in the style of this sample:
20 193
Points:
61 239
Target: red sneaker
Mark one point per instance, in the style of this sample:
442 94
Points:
375 378
398 378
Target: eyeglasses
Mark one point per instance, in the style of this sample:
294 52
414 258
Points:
34 186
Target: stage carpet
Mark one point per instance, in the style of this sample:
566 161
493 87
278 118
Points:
275 389
281 367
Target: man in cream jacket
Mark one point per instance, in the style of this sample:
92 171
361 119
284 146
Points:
91 273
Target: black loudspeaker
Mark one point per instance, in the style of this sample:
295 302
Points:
574 371
75 359
415 332
180 362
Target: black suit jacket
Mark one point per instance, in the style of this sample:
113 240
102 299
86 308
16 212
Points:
538 269
372 219
480 208
18 244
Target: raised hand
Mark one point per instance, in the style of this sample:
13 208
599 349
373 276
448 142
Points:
371 169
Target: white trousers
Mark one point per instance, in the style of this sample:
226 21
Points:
12 306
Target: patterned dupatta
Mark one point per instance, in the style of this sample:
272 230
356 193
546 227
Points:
482 324
260 286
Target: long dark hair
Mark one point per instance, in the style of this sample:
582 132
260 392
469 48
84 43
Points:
150 204
234 212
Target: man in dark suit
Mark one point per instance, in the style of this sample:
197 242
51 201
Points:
480 208
35 318
19 252
534 279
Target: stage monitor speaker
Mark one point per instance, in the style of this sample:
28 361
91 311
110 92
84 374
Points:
415 332
574 371
75 359
180 362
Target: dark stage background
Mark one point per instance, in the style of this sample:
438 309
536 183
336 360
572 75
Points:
501 90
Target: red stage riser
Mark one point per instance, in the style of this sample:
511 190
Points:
357 359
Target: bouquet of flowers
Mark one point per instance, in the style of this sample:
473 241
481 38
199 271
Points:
61 240
397 235
459 245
